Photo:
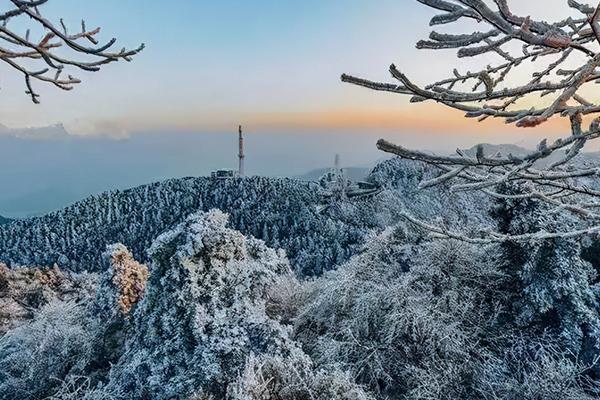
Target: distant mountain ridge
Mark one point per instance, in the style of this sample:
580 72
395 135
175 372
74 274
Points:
491 150
503 149
286 213
352 173
47 175
281 211
4 220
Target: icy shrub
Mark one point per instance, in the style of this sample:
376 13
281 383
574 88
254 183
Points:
401 312
534 368
420 319
36 357
293 378
24 290
82 388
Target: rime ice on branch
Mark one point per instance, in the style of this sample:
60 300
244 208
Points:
22 53
553 48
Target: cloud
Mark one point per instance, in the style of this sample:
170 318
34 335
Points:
433 124
115 129
51 132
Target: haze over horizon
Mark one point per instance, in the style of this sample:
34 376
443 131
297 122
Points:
276 68
44 169
174 110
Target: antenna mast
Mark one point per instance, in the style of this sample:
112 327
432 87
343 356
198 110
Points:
241 153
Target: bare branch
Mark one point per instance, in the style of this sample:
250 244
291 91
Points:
555 182
583 8
15 48
594 19
494 237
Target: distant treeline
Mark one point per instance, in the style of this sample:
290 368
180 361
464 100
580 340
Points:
282 212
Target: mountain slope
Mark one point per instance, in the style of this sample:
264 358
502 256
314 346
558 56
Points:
283 212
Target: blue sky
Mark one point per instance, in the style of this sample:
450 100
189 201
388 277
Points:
273 66
212 64
207 59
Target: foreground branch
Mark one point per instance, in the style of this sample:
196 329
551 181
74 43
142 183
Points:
18 51
550 174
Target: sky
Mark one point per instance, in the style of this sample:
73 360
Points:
271 65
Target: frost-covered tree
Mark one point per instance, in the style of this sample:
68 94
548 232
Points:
58 344
400 311
566 60
128 277
534 368
283 212
549 286
54 50
23 291
558 294
203 312
417 319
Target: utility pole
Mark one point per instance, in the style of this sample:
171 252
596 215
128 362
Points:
241 153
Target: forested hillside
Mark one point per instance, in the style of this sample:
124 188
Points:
221 316
206 310
285 213
471 276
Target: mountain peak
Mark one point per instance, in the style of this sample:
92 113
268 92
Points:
503 149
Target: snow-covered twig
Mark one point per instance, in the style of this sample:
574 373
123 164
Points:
20 52
489 93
